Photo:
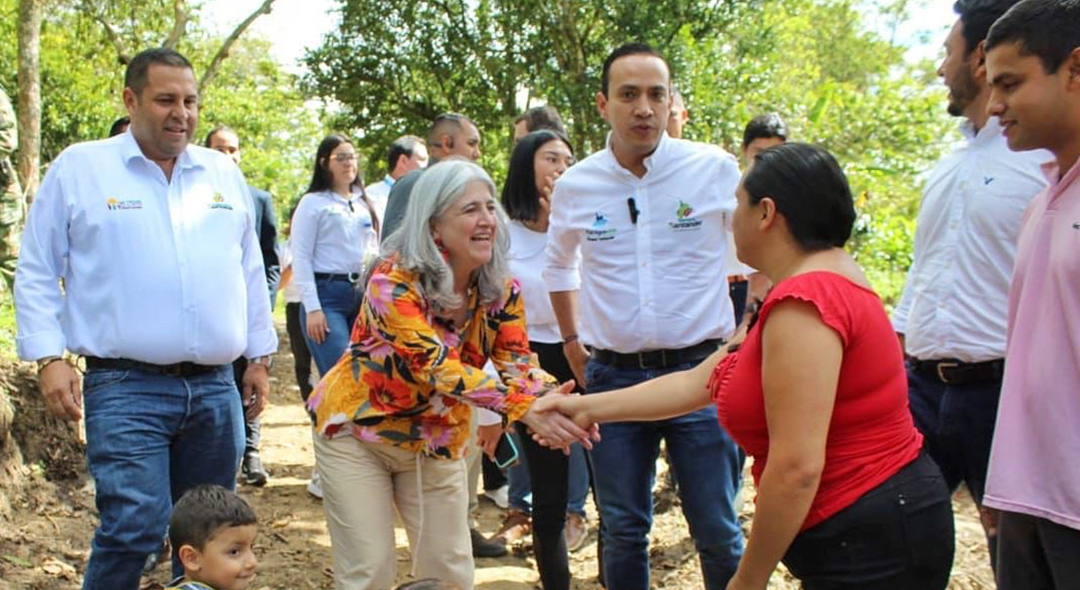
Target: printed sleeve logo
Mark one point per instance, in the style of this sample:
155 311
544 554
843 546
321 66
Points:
597 233
115 204
684 219
219 203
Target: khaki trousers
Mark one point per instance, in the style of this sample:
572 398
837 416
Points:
363 483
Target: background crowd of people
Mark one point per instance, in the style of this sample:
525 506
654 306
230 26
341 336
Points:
700 306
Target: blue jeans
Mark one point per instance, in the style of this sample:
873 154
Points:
340 301
707 466
149 438
578 484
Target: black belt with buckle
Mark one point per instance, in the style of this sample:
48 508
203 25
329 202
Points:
657 359
954 372
183 369
352 277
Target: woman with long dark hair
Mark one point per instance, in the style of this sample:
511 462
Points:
334 230
558 482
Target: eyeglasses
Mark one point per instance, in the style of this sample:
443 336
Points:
346 158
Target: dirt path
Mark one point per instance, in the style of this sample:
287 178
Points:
45 544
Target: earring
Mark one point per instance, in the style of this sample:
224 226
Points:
442 249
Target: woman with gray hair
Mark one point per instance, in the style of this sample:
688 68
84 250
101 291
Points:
393 416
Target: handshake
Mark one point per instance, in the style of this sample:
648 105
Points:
560 419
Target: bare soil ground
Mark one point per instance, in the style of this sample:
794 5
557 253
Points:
45 536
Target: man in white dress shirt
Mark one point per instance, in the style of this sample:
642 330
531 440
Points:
164 286
951 318
646 220
407 153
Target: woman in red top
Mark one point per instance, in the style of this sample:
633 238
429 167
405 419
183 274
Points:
817 395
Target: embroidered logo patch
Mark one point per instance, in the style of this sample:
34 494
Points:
115 204
597 233
219 203
684 218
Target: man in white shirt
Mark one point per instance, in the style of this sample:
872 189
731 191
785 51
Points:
164 286
951 318
407 153
646 220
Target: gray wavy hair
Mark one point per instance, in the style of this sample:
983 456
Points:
432 195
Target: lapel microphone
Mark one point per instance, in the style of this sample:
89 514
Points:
633 210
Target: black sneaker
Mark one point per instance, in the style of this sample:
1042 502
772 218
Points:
482 547
254 474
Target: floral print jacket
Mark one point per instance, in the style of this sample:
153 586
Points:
409 377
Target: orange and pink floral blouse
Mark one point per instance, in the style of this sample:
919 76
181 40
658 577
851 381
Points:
409 376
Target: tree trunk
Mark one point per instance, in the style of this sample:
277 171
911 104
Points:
29 97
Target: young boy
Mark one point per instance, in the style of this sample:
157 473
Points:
212 530
1033 64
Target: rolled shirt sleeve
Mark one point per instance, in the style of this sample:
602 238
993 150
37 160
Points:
561 272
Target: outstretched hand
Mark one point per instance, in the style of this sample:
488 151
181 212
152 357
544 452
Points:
552 427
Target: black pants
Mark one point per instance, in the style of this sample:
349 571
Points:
548 470
897 536
1036 554
301 354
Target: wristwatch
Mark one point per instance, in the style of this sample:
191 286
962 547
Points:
266 361
46 361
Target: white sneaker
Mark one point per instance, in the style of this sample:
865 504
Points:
500 496
314 487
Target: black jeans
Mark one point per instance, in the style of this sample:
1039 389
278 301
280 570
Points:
301 354
548 470
897 536
1036 554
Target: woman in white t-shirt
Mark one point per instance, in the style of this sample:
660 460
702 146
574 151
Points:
559 484
334 230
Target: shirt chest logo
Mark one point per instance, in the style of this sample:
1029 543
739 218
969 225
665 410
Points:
597 232
115 204
218 202
684 218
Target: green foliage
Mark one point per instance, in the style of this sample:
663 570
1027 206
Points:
82 82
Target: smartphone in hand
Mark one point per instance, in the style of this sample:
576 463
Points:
506 452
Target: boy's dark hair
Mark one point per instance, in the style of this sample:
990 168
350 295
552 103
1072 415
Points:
542 117
764 127
204 509
138 69
119 126
809 189
215 131
977 16
402 146
519 196
1046 29
623 51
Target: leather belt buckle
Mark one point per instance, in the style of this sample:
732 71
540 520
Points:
942 367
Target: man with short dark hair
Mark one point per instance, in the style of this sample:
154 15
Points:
119 126
541 117
163 286
637 236
762 132
1033 65
951 318
225 140
407 153
451 134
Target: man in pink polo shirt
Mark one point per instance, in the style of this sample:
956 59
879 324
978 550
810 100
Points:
1033 64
